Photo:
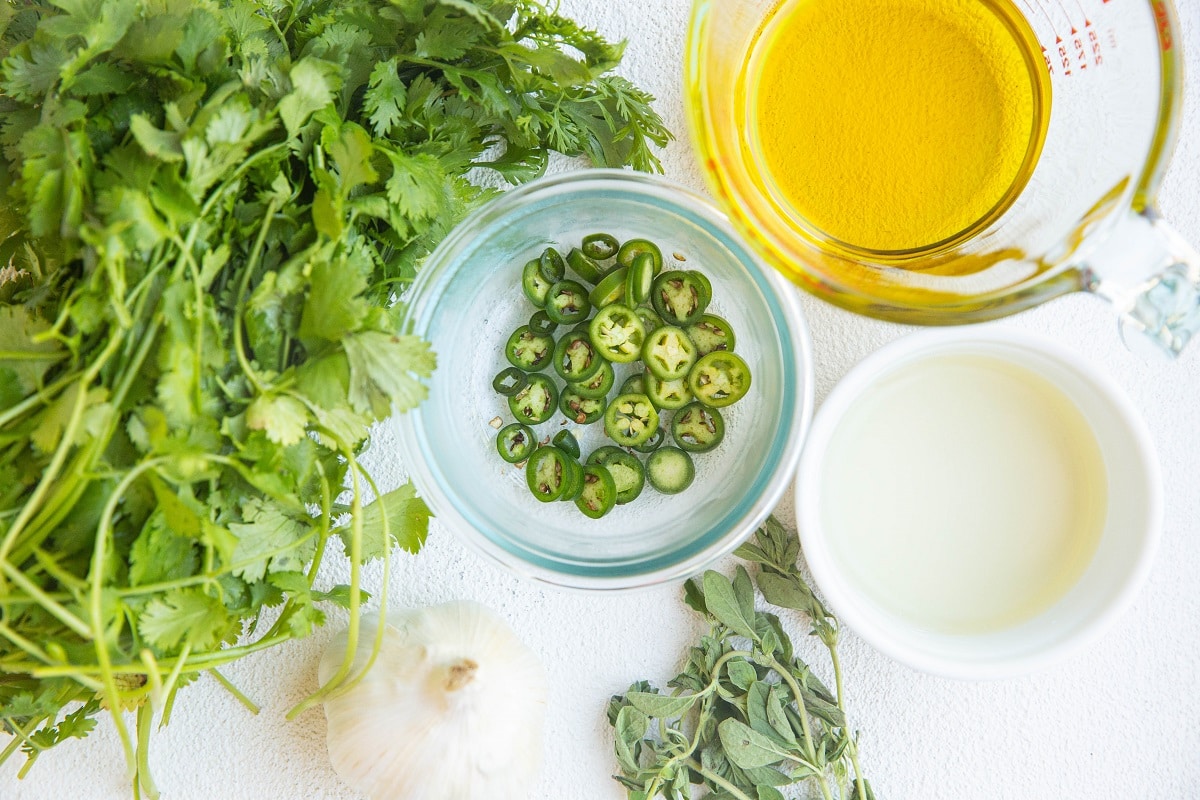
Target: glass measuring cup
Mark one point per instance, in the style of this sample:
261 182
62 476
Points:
1083 220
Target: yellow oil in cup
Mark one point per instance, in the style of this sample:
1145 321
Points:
896 125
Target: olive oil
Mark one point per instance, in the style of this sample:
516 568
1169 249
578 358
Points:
964 494
896 125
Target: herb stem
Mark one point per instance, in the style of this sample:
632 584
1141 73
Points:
236 692
802 707
239 346
725 785
851 744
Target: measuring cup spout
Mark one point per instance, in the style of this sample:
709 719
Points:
1152 275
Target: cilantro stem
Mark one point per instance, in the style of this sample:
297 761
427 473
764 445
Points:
37 652
239 346
50 474
143 779
356 534
56 609
172 683
236 692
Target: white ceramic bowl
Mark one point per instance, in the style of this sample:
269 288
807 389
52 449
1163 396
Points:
1107 586
466 302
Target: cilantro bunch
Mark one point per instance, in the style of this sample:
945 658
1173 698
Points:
747 716
207 211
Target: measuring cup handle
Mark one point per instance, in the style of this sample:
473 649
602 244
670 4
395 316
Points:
1152 275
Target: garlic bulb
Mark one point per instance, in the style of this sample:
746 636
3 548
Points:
452 708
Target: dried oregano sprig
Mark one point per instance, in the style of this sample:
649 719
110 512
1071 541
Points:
747 715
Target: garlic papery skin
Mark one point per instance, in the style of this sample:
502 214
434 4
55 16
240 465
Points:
452 709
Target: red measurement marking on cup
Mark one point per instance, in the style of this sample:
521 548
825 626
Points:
1163 18
1077 43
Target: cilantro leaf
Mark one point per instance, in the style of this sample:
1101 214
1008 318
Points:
184 615
407 518
384 371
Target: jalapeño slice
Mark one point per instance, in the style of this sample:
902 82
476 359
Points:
567 303
617 333
609 290
653 443
599 493
627 471
599 385
510 381
565 441
581 410
697 428
630 419
670 470
535 403
585 266
668 394
515 442
636 247
575 357
546 473
551 266
679 298
600 246
529 351
720 379
711 334
669 353
534 285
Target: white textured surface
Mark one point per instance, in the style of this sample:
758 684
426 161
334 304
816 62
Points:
1118 720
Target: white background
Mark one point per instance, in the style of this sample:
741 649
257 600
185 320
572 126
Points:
1119 720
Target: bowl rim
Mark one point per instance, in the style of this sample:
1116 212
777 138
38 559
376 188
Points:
436 267
848 603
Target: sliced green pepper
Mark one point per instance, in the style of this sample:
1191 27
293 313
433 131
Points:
581 410
679 298
534 285
510 381
599 385
650 318
535 403
567 303
566 441
720 379
636 247
704 284
640 280
551 266
630 419
541 323
634 384
515 442
599 493
573 483
617 333
653 443
600 246
528 350
670 470
711 334
546 473
669 353
585 267
575 357
627 471
610 290
697 428
668 394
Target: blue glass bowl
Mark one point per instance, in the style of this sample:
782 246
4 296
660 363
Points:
468 300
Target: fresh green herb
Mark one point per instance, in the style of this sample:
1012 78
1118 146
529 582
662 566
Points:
207 211
747 716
